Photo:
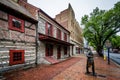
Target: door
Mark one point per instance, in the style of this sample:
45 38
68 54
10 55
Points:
49 50
58 52
65 50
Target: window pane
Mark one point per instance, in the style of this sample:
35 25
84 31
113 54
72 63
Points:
17 56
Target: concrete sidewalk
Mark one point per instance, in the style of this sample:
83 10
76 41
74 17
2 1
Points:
102 69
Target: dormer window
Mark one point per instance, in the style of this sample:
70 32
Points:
16 24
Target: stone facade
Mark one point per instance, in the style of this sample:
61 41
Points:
32 9
42 20
67 19
14 40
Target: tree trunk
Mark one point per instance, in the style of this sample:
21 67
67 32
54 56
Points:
100 51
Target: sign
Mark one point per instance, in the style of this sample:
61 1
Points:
108 44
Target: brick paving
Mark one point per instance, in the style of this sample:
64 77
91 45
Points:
71 69
42 72
102 69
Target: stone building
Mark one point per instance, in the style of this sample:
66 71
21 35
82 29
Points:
67 19
53 40
17 36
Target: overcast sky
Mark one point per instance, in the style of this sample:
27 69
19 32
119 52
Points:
81 7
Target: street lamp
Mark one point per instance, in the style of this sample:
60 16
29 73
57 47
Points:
108 45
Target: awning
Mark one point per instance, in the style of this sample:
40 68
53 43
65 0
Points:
53 40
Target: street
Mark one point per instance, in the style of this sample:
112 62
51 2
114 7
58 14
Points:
114 56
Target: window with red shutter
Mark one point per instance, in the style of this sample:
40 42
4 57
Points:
16 57
65 36
16 24
49 30
58 33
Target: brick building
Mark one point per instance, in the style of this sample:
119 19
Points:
67 19
17 36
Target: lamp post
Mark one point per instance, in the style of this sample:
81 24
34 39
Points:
108 45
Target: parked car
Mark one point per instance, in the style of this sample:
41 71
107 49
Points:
115 50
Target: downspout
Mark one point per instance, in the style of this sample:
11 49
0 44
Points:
36 43
37 39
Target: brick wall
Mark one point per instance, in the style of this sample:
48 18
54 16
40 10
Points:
67 19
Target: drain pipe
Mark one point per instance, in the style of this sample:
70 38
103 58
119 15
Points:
36 44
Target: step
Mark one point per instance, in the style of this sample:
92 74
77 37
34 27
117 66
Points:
51 59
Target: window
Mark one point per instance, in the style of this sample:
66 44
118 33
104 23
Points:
65 36
58 33
49 29
77 50
16 57
16 24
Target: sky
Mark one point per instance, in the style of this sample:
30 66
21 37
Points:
80 7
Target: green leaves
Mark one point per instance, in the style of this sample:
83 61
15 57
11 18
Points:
115 40
101 25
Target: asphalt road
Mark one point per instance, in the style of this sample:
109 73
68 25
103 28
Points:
114 56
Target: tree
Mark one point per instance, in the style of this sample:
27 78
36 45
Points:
100 26
115 41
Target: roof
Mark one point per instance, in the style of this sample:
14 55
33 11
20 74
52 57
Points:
15 9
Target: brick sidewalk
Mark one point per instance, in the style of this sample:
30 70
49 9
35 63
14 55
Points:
103 70
71 69
42 72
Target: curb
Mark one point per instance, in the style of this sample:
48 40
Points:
115 63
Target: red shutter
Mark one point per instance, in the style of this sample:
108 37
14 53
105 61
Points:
65 36
51 30
46 28
60 34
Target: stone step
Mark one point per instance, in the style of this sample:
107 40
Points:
51 59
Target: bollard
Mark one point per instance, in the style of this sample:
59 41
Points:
104 57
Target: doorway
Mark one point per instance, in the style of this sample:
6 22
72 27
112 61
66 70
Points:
58 52
49 50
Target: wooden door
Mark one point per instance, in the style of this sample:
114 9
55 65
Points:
58 52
